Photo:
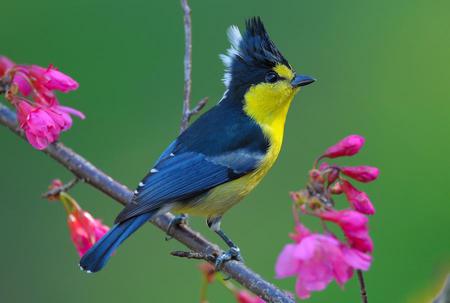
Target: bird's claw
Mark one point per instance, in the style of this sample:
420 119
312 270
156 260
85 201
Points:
233 253
178 220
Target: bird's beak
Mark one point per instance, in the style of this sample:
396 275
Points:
302 80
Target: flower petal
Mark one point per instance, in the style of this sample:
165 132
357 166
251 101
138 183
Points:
287 264
356 258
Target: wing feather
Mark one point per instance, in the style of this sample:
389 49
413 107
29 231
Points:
177 178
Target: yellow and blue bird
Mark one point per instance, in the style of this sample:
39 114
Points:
224 154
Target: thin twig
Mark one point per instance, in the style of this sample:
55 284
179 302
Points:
198 107
65 187
193 255
192 239
187 112
187 65
362 286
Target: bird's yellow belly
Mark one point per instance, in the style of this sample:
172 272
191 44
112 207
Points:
221 198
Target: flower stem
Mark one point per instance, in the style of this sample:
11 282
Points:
204 291
362 286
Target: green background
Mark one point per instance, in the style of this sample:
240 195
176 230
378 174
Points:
382 70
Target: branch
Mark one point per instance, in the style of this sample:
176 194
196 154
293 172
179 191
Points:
65 187
86 171
187 112
193 255
187 65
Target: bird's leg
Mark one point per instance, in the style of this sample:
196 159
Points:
233 253
178 220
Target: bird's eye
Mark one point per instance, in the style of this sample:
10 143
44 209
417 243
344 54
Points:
271 77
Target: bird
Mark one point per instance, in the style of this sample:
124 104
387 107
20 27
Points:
224 154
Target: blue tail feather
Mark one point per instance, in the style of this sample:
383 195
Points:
97 257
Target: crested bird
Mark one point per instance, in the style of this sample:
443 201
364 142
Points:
224 154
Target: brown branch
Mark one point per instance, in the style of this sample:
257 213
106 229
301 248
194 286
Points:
362 286
198 107
56 191
187 112
193 255
187 65
192 239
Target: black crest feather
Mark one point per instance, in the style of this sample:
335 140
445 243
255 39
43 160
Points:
257 46
250 55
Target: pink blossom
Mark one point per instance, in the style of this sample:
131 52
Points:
22 82
316 260
61 116
53 79
354 225
243 296
5 65
346 147
85 231
40 128
361 173
359 200
42 125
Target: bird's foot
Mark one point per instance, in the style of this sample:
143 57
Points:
233 253
178 220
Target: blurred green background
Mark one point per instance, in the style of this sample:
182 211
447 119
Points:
382 70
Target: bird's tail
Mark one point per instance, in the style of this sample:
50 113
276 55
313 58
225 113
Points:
97 257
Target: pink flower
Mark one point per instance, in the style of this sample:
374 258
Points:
43 125
61 116
40 128
243 296
5 65
346 147
85 231
358 199
22 82
316 260
53 79
40 115
355 227
361 173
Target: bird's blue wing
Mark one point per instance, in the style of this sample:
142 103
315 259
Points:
212 151
177 177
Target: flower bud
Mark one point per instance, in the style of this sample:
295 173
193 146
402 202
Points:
361 173
358 199
333 175
5 65
243 296
346 147
336 189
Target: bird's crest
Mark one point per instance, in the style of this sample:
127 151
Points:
253 49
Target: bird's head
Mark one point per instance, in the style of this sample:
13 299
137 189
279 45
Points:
257 73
